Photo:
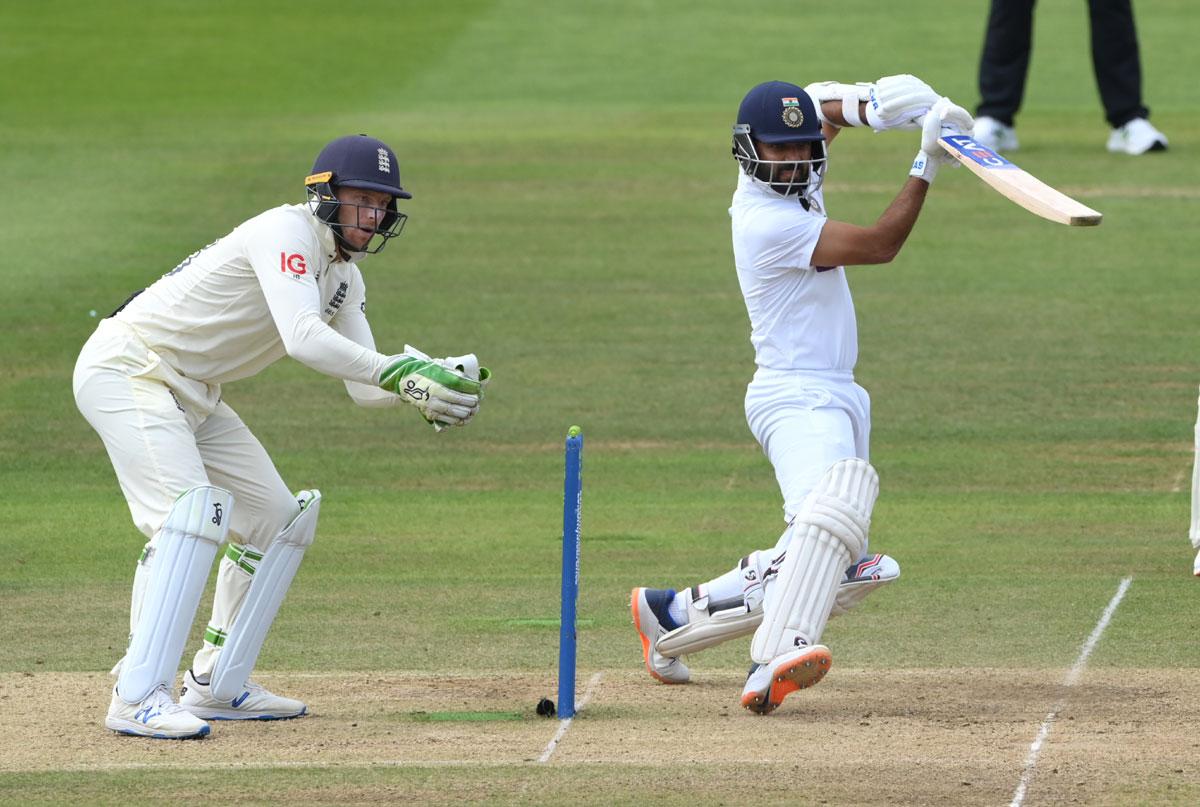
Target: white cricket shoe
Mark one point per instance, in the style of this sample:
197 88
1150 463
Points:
768 684
255 703
157 716
1196 566
1136 137
649 606
994 134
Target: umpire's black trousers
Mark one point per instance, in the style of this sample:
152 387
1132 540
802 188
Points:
1005 61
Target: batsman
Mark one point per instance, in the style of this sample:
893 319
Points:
802 405
149 380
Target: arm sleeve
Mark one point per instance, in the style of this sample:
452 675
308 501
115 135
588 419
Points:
351 322
282 252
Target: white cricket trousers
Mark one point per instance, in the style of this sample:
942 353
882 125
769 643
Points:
806 421
165 434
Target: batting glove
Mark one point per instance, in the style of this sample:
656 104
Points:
943 118
898 102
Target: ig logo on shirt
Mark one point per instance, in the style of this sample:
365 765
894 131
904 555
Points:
293 263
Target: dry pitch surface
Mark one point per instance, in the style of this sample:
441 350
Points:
904 737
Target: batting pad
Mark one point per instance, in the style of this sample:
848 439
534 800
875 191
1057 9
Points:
829 533
707 625
267 590
1194 531
184 552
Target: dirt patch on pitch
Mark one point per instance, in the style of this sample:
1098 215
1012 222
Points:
936 736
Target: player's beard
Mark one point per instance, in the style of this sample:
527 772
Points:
790 181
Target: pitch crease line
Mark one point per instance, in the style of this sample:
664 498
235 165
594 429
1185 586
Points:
1071 679
566 724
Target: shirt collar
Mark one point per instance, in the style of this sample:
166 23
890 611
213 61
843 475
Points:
329 245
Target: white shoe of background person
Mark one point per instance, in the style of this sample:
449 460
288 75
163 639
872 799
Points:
157 716
994 134
254 703
1136 137
768 684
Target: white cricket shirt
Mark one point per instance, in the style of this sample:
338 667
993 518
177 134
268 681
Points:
801 316
270 288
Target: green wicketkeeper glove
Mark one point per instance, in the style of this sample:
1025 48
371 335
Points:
443 390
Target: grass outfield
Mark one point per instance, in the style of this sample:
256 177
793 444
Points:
1034 390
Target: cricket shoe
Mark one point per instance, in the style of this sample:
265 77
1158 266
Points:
861 579
1136 137
653 621
157 716
768 684
995 135
1196 566
255 703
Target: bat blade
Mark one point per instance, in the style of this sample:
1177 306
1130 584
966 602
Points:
1018 184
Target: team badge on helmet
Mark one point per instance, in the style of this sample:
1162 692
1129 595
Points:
792 116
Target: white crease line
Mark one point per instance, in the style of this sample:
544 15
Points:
413 762
566 724
1177 485
1072 677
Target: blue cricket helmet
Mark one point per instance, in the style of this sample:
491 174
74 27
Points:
356 161
777 112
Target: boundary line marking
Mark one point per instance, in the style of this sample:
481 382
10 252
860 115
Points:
566 724
1071 679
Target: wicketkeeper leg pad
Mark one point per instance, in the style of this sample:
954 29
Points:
1194 531
183 555
827 535
267 589
234 574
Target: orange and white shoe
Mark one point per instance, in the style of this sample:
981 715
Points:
768 684
653 621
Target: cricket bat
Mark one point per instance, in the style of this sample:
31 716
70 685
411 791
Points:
1019 185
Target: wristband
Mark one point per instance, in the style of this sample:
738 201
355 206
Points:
924 167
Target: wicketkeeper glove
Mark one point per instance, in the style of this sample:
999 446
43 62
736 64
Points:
445 391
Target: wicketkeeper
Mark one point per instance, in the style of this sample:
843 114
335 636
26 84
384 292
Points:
284 283
803 406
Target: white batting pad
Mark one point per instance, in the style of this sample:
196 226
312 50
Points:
826 535
710 622
183 554
267 590
708 628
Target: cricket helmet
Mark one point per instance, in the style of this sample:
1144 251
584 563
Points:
356 161
777 112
